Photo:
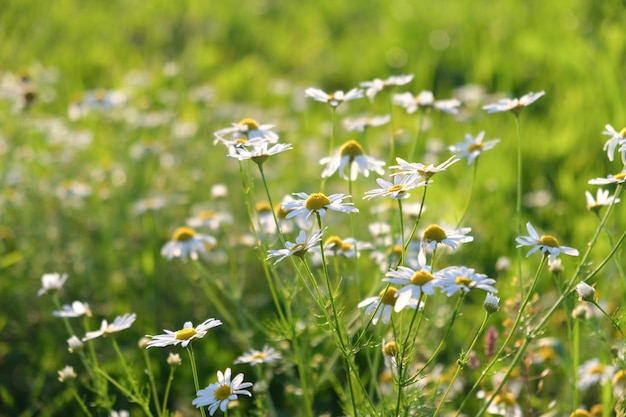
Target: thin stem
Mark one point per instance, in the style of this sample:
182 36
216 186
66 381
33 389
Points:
420 122
155 393
392 146
404 245
471 196
80 401
417 221
611 319
194 372
518 201
167 388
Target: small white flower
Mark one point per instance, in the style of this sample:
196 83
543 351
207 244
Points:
220 393
348 247
249 130
173 359
426 100
436 235
383 305
73 344
351 155
185 242
548 245
67 374
76 309
616 139
398 189
317 203
602 199
359 124
473 146
585 292
515 104
183 336
333 99
210 219
302 246
51 282
459 278
492 303
415 283
593 372
259 152
256 357
120 323
375 86
610 179
423 170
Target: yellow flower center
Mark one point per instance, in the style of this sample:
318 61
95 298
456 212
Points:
333 243
435 233
185 334
395 188
263 207
299 249
183 234
504 398
548 353
598 369
475 147
464 281
258 355
346 247
388 296
281 213
222 393
208 214
426 172
316 201
351 149
421 277
620 176
549 241
251 124
580 413
390 349
100 94
622 132
395 250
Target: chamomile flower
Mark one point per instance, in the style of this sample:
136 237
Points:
426 171
76 309
249 129
384 304
51 282
398 189
610 179
616 139
257 357
425 100
183 336
186 242
415 282
74 344
351 155
220 393
436 235
303 245
375 86
593 372
491 303
459 278
585 292
360 124
515 105
602 199
66 374
259 152
348 247
473 147
318 203
210 219
333 99
547 244
120 323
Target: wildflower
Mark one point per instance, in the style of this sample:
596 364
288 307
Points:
593 372
415 283
76 309
619 384
492 303
209 218
616 138
334 99
473 146
121 413
505 404
120 323
602 199
383 304
610 179
435 235
149 204
398 189
345 247
256 357
359 124
515 105
423 170
425 100
351 154
318 203
302 246
547 244
258 152
220 393
51 282
375 86
459 278
585 292
66 374
183 336
580 412
74 343
173 359
185 242
249 129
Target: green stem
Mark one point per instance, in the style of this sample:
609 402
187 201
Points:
420 122
404 245
518 201
471 196
194 372
155 393
575 363
167 388
80 401
610 318
392 145
417 221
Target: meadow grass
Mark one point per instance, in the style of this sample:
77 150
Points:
95 192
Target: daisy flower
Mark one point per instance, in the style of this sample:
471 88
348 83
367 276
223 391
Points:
334 99
51 282
66 374
256 357
120 323
473 147
302 246
459 278
602 199
383 305
398 189
435 235
220 393
593 372
375 86
210 219
185 242
351 155
515 105
547 244
183 336
415 283
249 129
359 124
616 138
74 344
423 170
345 247
610 179
491 303
76 309
425 100
259 152
318 203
